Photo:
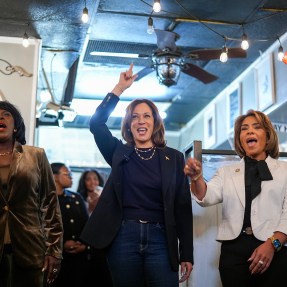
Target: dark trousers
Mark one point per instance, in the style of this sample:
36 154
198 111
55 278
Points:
85 270
12 275
99 272
234 264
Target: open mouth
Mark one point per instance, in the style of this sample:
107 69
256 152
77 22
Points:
251 142
2 125
142 131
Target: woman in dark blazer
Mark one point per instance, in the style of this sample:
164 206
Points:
144 215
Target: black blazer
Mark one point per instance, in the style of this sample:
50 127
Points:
106 218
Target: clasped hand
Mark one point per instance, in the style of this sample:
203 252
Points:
193 168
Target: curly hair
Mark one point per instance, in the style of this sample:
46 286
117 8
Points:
158 132
19 126
272 146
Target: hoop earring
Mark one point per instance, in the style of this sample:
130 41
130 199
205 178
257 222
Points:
15 130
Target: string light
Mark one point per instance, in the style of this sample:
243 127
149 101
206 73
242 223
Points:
85 15
224 55
25 40
244 40
280 55
156 6
244 43
150 28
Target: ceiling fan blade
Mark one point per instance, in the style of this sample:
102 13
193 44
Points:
212 54
198 73
166 39
145 71
236 53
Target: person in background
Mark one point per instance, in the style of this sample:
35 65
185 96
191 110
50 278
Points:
144 214
253 194
31 230
74 214
90 187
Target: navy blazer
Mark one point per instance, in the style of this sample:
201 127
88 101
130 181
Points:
106 219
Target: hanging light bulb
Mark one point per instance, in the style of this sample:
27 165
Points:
244 43
223 56
85 15
150 28
156 6
280 53
25 41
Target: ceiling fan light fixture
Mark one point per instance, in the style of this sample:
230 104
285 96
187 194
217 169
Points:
150 28
168 69
156 6
244 43
224 55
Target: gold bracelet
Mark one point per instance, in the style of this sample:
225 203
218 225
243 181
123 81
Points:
120 88
197 177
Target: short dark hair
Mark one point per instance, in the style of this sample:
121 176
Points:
272 146
56 166
82 186
158 131
19 126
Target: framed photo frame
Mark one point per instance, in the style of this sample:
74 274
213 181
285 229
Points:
234 106
265 83
209 127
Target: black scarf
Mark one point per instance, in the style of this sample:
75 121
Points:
255 172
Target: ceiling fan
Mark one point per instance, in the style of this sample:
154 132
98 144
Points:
168 61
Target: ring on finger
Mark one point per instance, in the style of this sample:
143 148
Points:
55 270
260 262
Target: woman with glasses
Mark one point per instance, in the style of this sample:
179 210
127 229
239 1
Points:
74 215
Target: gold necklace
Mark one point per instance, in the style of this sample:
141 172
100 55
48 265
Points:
140 150
6 153
145 158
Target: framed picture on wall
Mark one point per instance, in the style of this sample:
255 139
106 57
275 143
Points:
209 127
233 106
265 86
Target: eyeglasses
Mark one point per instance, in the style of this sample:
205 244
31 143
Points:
66 173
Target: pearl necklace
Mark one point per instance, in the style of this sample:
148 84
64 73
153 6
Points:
143 151
6 153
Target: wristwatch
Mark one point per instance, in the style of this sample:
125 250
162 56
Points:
276 243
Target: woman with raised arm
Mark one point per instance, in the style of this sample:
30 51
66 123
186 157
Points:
144 214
